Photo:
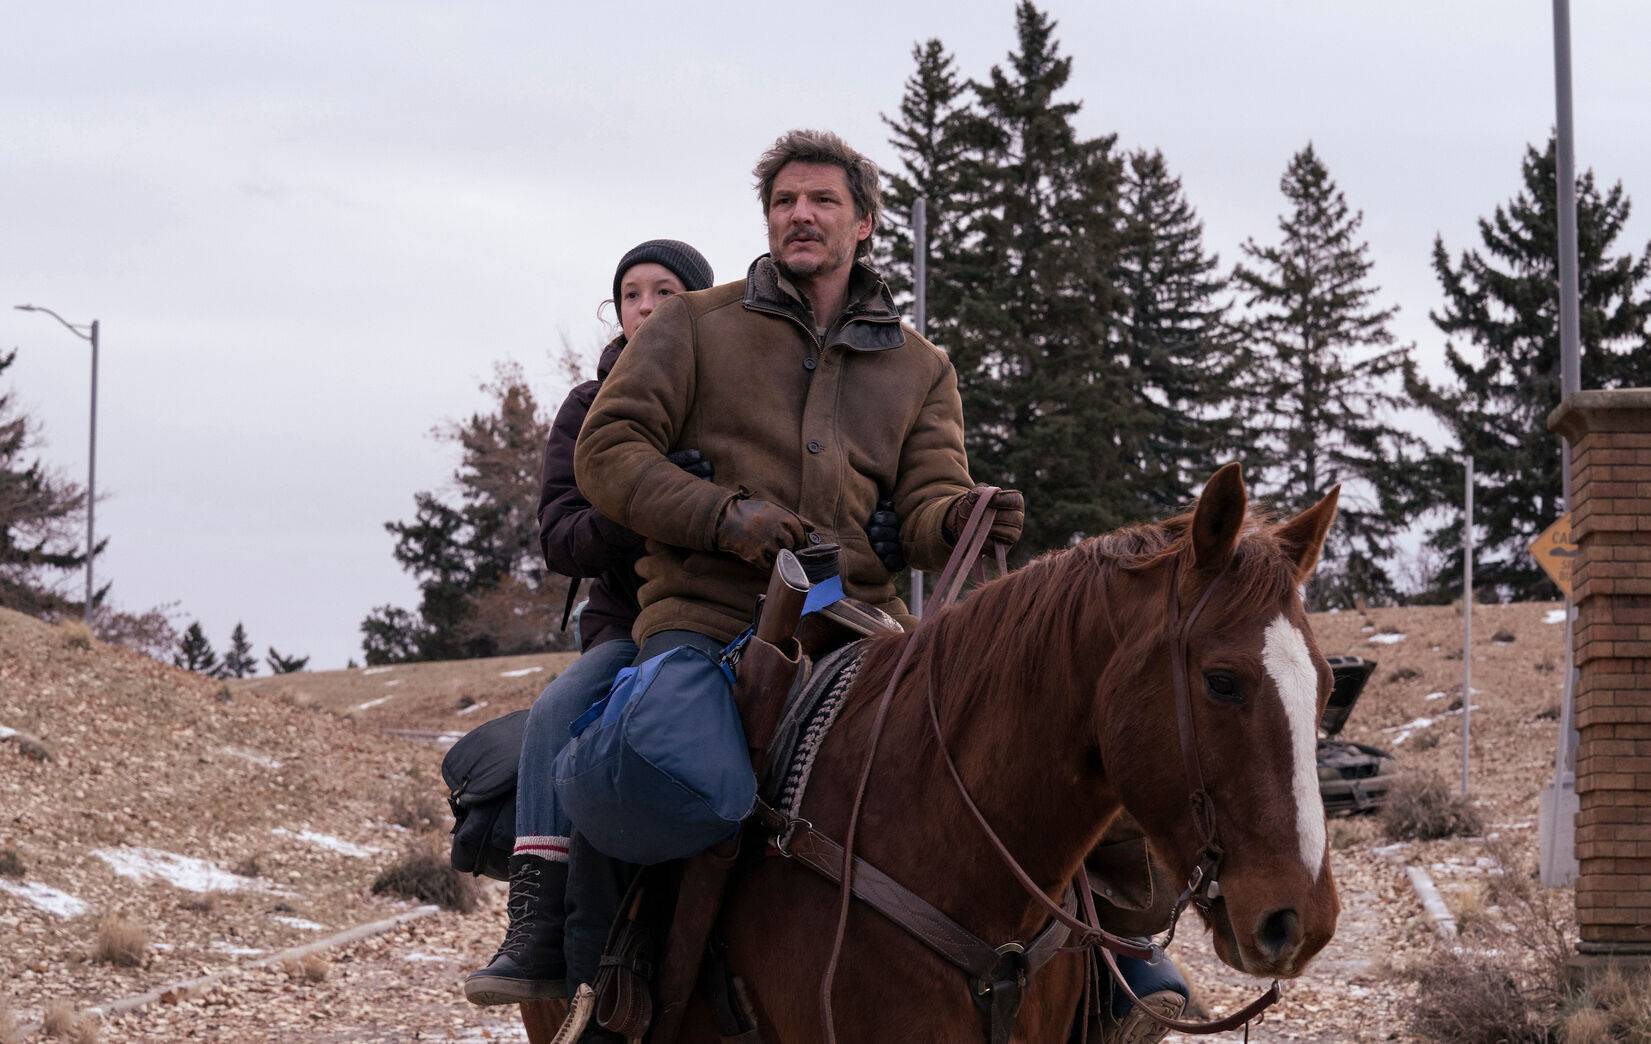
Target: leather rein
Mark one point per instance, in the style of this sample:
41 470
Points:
1202 888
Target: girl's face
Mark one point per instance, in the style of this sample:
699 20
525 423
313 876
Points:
641 289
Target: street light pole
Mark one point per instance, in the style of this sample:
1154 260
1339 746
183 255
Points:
85 333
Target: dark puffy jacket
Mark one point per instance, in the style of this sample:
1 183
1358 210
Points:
578 540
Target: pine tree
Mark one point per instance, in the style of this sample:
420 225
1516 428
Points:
195 653
1504 302
1321 384
929 138
1048 406
1175 334
41 516
484 589
279 664
240 661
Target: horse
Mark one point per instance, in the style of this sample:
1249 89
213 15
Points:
1053 688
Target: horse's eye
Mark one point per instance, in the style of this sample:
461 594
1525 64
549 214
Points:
1224 687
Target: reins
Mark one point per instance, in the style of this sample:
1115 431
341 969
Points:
1201 889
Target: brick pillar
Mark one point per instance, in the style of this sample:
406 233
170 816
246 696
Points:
1610 438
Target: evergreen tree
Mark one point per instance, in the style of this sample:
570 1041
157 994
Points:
41 517
1175 335
240 661
1504 302
195 653
279 664
484 589
1321 383
930 139
1049 409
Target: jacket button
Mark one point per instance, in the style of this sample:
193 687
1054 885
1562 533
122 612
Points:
809 363
813 538
813 447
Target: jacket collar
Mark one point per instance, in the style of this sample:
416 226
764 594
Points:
871 322
610 355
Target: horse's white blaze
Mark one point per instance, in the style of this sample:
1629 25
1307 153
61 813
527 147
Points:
1284 653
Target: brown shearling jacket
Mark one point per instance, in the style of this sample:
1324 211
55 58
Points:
825 426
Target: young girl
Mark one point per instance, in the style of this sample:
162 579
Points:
578 541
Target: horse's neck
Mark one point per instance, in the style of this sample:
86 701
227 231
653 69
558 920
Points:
1016 724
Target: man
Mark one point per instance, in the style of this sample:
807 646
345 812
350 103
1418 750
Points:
814 401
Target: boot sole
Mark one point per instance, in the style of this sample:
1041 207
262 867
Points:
489 990
1138 1028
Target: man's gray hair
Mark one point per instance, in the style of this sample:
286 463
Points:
807 146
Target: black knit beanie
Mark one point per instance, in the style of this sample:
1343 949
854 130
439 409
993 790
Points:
689 264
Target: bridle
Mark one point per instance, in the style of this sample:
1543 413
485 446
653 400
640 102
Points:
1202 888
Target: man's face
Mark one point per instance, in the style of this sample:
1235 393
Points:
812 230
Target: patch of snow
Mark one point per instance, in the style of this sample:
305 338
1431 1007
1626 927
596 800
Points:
1435 696
329 842
192 875
473 707
1386 639
1554 616
1408 728
447 739
423 957
5 732
392 681
236 951
253 756
376 670
299 922
372 703
42 897
520 673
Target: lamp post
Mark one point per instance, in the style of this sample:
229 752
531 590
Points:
85 333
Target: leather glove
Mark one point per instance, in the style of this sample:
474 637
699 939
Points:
691 461
756 531
1011 515
884 531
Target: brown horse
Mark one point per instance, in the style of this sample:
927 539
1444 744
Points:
1054 693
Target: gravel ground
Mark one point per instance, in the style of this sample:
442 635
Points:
145 755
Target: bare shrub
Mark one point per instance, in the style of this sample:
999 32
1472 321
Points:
1404 674
1347 832
75 634
1466 999
311 968
1424 807
1548 713
60 1019
1504 637
11 864
248 867
418 811
1427 739
121 941
206 902
30 747
423 873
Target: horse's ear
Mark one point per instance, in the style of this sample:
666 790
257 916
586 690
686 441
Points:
1303 536
1219 517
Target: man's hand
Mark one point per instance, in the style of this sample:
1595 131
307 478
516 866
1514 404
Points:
691 461
756 531
1011 515
884 531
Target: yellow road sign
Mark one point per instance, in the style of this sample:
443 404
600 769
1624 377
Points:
1555 553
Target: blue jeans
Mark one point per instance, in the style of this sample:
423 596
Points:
542 827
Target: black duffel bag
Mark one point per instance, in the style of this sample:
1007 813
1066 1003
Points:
480 773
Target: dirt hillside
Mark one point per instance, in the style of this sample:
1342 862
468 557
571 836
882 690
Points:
296 777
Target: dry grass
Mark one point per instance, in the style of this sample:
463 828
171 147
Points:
64 1021
419 811
1614 1007
1423 807
75 634
424 873
312 968
121 941
1467 999
206 902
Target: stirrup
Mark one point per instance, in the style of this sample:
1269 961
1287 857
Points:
580 1007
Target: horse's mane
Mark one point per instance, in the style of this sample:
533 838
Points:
1056 607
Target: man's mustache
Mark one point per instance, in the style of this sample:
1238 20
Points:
804 234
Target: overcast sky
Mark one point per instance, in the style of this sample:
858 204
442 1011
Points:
309 229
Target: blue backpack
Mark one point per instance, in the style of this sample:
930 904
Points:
658 768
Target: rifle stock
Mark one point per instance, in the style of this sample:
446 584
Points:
782 606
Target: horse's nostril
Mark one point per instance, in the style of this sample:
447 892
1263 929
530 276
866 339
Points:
1278 933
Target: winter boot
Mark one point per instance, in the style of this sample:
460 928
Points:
529 965
1160 987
